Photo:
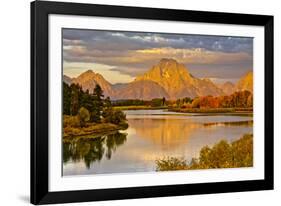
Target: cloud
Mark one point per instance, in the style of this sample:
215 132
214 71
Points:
193 56
133 53
74 69
138 40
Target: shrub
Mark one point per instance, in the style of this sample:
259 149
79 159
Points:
227 155
222 155
84 116
114 116
171 163
71 121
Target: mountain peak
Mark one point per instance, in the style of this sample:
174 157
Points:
86 76
167 60
166 68
168 63
177 81
89 79
88 72
245 82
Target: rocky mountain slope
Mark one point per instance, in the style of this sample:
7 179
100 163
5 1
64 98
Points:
168 79
89 79
245 82
143 89
178 82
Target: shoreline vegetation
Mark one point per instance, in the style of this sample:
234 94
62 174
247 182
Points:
223 154
212 110
92 130
238 123
92 115
140 107
238 103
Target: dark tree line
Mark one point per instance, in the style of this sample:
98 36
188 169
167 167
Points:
77 101
130 102
156 102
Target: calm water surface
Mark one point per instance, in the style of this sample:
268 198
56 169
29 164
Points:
152 134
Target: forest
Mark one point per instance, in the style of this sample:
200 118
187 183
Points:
86 113
239 99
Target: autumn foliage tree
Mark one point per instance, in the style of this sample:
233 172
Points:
236 154
240 99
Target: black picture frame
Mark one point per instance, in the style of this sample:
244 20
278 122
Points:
39 102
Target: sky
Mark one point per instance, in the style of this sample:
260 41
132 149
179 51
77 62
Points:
121 56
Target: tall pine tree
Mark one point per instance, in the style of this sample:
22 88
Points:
97 104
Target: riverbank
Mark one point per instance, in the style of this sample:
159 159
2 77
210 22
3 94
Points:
139 107
237 123
211 110
92 130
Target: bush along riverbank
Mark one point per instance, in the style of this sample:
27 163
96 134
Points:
88 114
237 154
240 102
92 130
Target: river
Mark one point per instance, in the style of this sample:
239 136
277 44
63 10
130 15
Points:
151 135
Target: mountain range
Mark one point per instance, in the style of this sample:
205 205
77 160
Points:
168 79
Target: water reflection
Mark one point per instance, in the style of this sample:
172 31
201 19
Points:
92 150
167 133
150 137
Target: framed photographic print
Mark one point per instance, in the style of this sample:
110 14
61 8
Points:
133 102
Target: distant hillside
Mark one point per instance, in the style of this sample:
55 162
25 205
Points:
67 79
228 88
89 79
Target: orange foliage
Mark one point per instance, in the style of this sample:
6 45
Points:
241 99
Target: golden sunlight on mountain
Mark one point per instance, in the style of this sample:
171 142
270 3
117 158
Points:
167 78
246 82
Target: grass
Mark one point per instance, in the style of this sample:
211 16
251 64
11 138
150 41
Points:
92 130
239 153
72 127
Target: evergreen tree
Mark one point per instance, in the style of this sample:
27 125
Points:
66 99
96 110
74 99
107 108
163 101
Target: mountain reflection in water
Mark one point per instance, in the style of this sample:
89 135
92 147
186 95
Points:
166 133
151 135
